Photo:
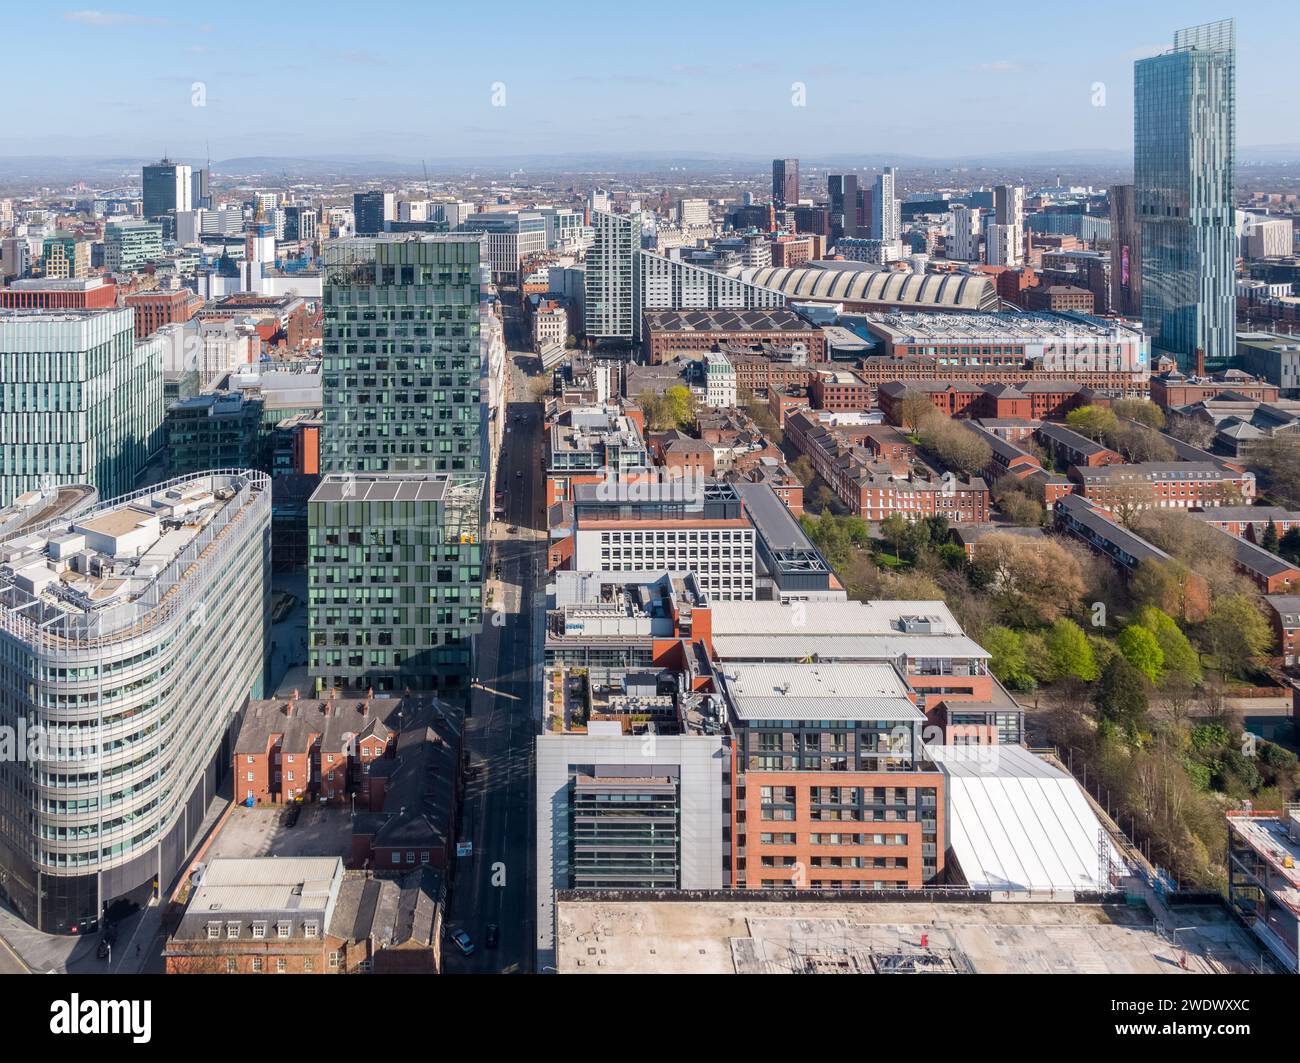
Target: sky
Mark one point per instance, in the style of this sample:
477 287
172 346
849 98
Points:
441 80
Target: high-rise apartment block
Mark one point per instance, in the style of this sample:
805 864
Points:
395 583
395 528
1184 157
964 241
131 635
884 207
82 401
1008 213
611 297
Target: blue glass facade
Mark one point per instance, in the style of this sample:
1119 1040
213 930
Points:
1184 155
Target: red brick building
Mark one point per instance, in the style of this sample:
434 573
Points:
882 370
840 389
1029 400
1171 390
89 293
1059 297
1163 485
162 306
1284 612
669 333
294 748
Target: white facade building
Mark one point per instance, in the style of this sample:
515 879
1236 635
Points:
719 380
964 241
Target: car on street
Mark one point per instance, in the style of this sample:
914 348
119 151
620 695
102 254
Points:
519 474
493 935
463 942
106 942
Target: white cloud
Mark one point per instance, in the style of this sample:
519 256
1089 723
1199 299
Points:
112 18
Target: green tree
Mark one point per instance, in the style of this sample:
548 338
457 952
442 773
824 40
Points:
1270 541
1235 632
679 406
1141 410
1140 649
893 528
1007 656
1121 696
1181 657
1070 652
1095 422
1289 547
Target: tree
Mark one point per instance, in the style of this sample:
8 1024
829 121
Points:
954 445
1140 649
1020 509
1192 430
913 409
1181 658
1276 461
1069 651
893 528
1141 410
1095 422
678 409
1121 697
1289 547
1141 443
1007 656
1034 581
1270 540
1236 632
803 469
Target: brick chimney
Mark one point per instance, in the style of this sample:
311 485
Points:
1200 361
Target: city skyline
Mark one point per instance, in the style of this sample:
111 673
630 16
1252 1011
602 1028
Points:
977 93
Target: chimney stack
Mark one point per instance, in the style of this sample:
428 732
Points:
1200 361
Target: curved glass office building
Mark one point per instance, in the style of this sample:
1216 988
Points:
131 636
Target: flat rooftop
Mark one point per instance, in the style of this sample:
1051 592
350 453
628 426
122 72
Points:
130 552
847 691
337 487
907 327
741 935
726 321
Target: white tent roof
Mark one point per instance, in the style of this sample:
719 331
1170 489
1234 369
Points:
1017 823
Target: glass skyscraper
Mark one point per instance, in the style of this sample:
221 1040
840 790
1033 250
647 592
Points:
1184 155
395 528
80 400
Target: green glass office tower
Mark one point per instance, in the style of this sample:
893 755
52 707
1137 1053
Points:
396 580
395 528
80 400
401 360
1184 155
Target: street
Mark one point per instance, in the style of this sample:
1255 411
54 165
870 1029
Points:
494 885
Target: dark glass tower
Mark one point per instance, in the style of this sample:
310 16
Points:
1184 138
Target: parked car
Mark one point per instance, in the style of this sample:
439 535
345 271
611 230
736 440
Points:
463 942
292 813
493 935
